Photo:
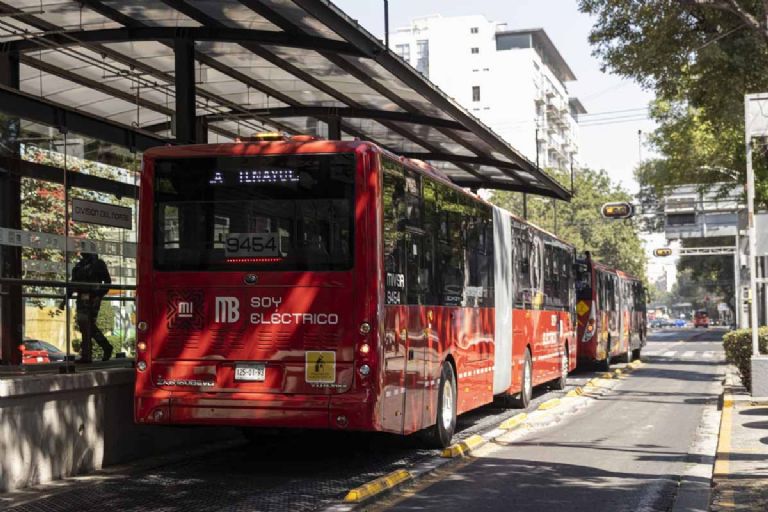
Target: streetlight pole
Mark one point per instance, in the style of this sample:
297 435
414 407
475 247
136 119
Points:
386 23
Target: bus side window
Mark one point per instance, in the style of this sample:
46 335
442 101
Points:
431 241
394 231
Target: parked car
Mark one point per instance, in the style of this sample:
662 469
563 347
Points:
701 319
53 353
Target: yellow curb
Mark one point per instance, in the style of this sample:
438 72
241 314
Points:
591 383
549 404
513 422
606 375
636 364
464 447
722 461
377 486
617 372
575 392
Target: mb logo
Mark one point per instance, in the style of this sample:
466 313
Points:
227 310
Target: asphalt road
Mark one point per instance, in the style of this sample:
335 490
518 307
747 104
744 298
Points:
625 452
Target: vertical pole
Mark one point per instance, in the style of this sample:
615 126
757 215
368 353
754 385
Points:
386 23
11 315
750 185
737 282
334 128
639 145
186 118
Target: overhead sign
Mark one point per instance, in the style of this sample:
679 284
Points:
102 213
757 115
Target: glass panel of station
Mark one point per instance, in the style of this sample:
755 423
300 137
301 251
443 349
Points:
69 254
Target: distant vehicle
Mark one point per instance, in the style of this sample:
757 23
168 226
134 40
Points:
679 322
54 354
611 314
701 319
33 356
657 323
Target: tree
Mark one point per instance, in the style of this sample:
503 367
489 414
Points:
700 57
614 242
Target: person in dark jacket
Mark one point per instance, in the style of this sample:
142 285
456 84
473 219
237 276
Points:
90 269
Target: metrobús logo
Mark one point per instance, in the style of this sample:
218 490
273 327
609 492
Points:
268 312
185 310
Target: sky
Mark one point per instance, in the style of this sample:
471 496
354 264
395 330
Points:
611 144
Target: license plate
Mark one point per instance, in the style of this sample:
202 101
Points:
251 372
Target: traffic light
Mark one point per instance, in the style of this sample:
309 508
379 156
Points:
618 210
664 251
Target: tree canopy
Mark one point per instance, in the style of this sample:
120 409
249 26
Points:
700 57
614 242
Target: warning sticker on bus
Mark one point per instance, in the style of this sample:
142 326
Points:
320 366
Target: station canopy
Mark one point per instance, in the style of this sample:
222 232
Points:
296 66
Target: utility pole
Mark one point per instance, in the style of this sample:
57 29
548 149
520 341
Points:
386 23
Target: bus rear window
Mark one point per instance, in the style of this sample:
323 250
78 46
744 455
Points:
283 212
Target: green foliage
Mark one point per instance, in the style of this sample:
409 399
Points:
700 58
614 242
738 351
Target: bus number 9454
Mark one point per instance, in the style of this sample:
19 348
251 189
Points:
252 244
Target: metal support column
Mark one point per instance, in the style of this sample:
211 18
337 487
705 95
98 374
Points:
11 317
186 119
334 128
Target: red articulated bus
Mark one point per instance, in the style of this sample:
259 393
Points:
611 314
323 284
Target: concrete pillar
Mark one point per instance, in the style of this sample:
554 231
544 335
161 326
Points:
11 318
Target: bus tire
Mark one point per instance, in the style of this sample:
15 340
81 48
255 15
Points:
440 434
560 382
605 364
526 392
636 354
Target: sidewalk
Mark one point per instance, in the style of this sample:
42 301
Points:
740 480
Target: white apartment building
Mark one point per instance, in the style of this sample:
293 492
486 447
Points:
512 80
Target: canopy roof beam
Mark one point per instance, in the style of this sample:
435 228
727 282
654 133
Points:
140 32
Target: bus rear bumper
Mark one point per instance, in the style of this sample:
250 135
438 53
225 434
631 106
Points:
348 411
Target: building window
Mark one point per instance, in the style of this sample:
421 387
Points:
422 57
475 50
475 93
404 51
474 30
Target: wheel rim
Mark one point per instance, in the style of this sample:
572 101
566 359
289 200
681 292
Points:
447 415
527 378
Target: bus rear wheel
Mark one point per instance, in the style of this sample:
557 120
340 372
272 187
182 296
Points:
560 382
526 393
605 364
440 434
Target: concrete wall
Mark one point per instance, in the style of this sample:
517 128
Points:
53 426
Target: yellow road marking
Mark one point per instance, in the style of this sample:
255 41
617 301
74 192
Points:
377 486
549 404
722 457
464 447
513 422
